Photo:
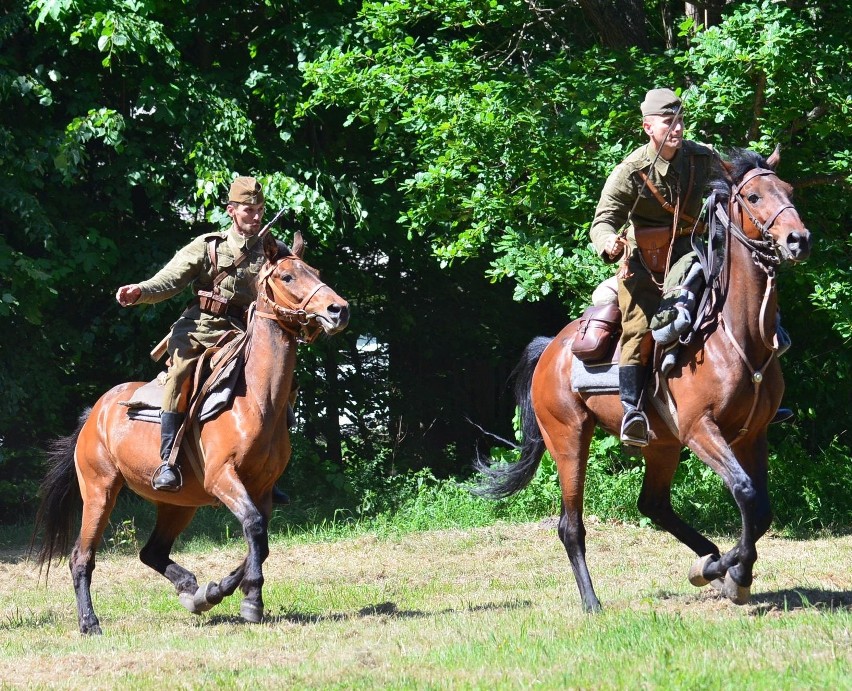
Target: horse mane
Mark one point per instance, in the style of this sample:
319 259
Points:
729 170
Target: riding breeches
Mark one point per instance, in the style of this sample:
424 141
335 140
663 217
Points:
638 298
191 335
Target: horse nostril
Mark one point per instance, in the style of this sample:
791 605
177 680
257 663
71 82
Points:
799 244
340 311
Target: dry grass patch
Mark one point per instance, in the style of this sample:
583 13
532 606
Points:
494 607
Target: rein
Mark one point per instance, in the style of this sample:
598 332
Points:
293 318
766 255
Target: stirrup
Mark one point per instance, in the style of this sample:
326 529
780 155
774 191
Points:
634 428
167 486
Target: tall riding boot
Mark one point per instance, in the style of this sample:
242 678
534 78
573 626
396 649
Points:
634 424
167 478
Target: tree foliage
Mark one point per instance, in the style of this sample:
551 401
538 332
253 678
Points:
443 159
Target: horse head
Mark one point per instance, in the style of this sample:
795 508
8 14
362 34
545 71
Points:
294 293
761 201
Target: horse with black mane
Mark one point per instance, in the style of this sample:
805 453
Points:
243 449
722 392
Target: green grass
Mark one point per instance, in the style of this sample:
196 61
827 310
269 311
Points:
484 608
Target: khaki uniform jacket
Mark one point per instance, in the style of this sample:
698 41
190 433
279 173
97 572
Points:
671 178
191 265
195 331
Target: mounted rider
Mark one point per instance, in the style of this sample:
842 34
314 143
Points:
222 268
647 212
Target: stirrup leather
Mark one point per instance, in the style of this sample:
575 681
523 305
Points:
167 488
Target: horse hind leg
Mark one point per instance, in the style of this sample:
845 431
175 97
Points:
98 504
171 522
570 451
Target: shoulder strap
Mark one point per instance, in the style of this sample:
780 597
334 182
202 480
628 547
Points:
212 245
659 197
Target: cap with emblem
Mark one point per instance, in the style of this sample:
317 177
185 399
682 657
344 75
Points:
660 102
245 190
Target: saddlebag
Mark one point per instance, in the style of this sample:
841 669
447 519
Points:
599 327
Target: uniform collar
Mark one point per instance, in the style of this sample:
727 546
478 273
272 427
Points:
240 243
662 166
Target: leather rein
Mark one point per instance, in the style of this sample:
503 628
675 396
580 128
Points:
293 318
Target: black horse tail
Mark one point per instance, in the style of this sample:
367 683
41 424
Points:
502 480
61 501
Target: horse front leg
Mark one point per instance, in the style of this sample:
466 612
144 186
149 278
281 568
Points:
655 498
249 575
747 483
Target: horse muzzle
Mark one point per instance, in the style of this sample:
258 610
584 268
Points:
335 318
797 246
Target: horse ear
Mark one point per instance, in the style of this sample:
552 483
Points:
298 245
270 247
775 158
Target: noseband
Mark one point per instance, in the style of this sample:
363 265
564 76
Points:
290 317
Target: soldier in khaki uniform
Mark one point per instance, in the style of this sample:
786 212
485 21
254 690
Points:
658 189
206 319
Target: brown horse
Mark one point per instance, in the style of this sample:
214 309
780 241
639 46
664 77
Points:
725 386
245 448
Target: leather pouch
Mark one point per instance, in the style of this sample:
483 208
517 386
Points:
597 333
654 242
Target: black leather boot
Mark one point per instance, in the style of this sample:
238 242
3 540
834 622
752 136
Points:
167 478
634 424
782 415
280 497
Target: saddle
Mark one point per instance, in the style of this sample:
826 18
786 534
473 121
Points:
213 383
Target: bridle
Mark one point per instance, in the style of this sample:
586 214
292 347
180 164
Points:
765 251
293 318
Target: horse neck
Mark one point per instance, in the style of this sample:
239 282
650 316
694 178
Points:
751 300
269 366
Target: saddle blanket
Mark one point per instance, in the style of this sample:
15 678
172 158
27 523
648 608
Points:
597 378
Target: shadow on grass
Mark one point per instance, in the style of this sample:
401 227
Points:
382 609
801 599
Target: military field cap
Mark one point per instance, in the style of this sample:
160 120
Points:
245 191
660 102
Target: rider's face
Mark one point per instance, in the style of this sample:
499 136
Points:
665 132
246 217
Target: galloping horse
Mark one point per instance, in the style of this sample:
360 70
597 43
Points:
726 386
245 448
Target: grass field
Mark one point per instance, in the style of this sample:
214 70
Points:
487 608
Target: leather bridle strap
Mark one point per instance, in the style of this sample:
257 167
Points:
737 191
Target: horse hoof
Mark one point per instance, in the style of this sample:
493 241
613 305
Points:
738 594
696 571
251 612
197 603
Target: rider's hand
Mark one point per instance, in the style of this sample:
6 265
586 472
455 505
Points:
128 295
614 246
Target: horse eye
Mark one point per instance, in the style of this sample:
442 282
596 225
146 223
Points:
287 278
753 198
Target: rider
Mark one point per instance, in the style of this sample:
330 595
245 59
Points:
658 190
668 170
219 306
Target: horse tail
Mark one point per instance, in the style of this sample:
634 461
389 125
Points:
504 479
61 501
